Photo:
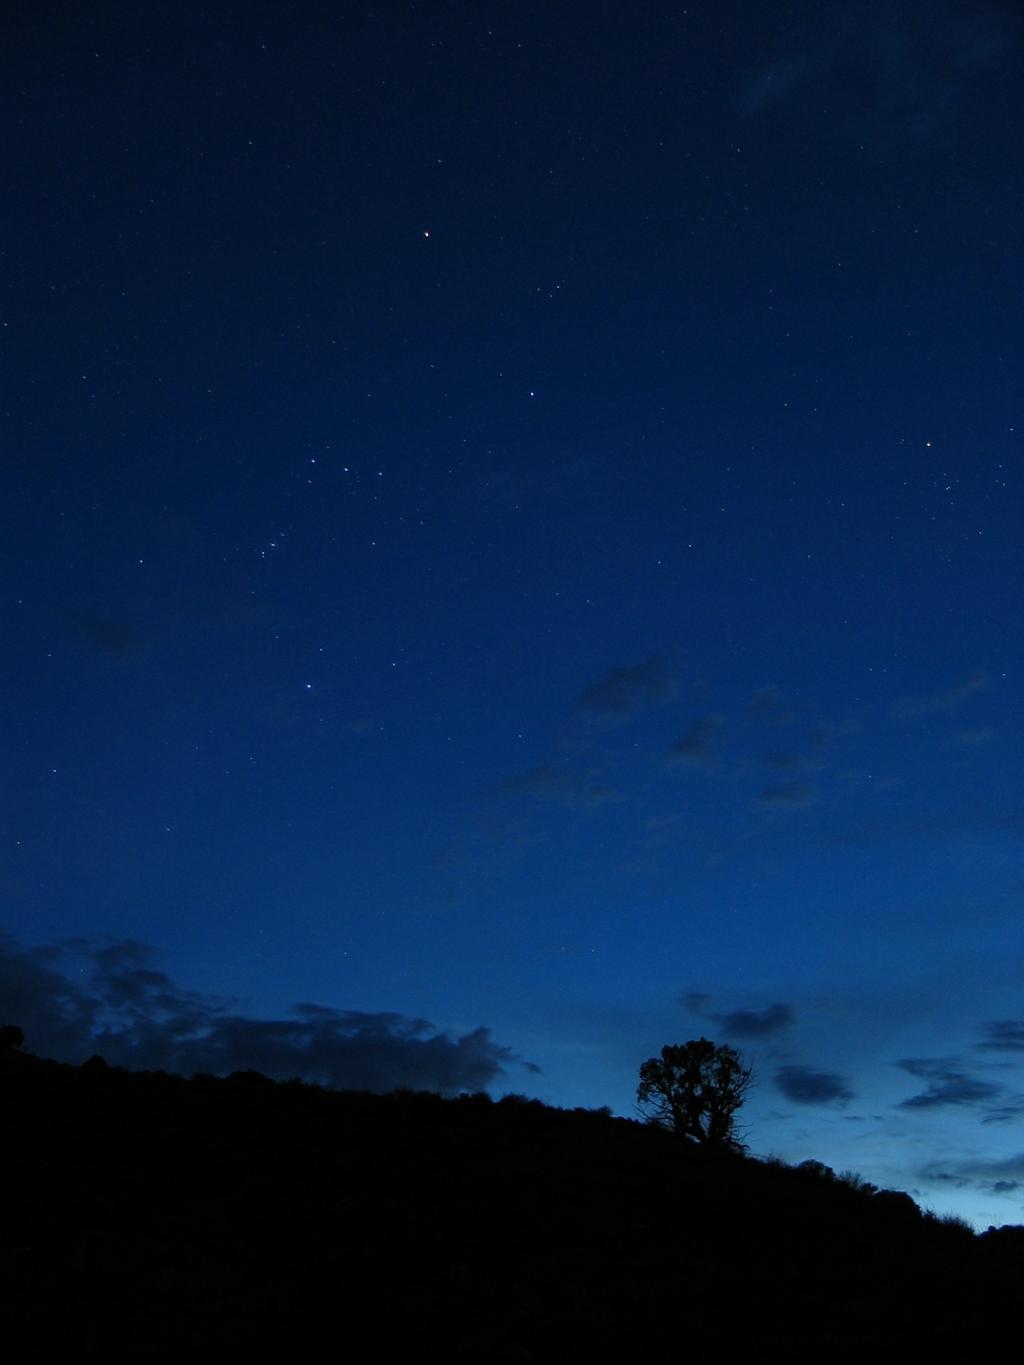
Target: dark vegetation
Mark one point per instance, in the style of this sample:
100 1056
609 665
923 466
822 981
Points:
153 1218
694 1090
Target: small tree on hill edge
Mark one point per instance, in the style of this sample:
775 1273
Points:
694 1089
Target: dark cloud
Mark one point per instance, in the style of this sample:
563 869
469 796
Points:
1010 1110
111 637
947 1084
623 691
85 996
825 732
935 1175
1004 1175
697 746
787 795
55 1013
757 1023
695 1001
659 830
551 782
780 760
908 708
803 1085
1004 1035
742 1023
768 706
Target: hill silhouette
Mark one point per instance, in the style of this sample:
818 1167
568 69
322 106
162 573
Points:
151 1217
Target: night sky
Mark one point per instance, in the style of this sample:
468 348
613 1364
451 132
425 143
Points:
512 555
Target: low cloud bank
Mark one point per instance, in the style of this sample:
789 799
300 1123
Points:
85 996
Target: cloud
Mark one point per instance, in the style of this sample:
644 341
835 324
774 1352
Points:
783 78
791 795
569 777
84 996
54 1012
1004 1175
909 708
780 760
1004 1035
1010 1110
803 1085
973 737
757 1023
768 706
621 692
947 1084
695 1001
550 782
697 746
884 72
110 637
742 1023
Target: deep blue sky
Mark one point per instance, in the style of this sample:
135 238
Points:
512 527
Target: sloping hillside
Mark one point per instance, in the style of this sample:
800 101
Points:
157 1218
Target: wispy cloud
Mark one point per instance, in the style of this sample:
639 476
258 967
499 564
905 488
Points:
768 706
558 784
570 775
780 760
1002 1175
697 747
105 634
947 1084
622 691
787 795
949 699
973 736
696 1002
1003 1035
885 72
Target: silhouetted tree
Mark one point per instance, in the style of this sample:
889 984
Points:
694 1089
11 1037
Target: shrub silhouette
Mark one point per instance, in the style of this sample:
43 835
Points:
694 1089
11 1037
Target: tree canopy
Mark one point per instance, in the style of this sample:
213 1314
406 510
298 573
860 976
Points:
694 1089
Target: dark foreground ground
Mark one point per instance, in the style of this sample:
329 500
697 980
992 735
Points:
152 1218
